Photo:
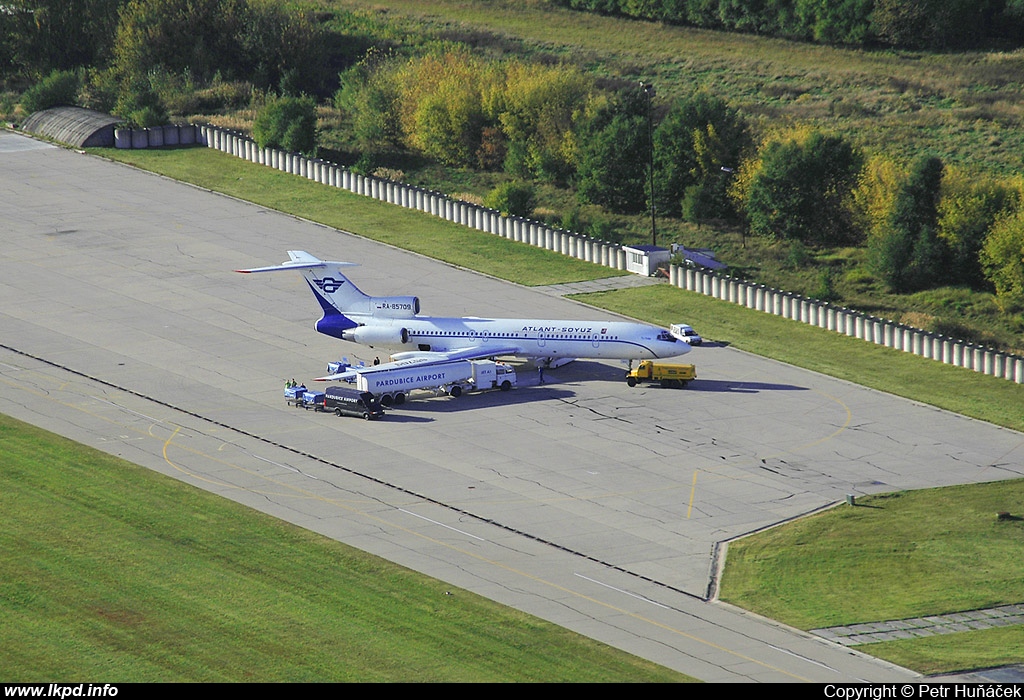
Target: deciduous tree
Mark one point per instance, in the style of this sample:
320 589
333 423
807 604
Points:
288 123
907 253
612 170
1002 258
699 136
801 190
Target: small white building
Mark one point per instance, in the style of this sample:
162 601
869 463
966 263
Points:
645 259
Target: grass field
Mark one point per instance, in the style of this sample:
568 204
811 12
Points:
112 572
965 107
892 557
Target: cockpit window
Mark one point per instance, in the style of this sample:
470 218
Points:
665 335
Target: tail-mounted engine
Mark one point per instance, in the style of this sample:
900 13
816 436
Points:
377 335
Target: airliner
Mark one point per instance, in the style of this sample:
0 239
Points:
395 323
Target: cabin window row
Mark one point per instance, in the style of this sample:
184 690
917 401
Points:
485 334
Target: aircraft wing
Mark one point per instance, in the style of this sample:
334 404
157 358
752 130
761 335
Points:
420 359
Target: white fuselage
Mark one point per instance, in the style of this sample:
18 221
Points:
535 337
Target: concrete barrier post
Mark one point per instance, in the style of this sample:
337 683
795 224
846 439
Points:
140 138
977 358
958 354
171 135
908 340
926 346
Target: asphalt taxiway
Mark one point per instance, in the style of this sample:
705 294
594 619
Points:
583 501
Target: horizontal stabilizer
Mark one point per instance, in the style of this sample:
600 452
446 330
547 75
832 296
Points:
299 260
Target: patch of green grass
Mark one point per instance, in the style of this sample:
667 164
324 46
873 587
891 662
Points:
112 571
404 228
949 653
891 557
952 388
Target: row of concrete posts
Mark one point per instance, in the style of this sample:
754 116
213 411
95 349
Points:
611 255
852 323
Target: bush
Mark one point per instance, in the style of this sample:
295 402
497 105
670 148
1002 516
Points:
571 220
138 105
58 88
515 198
800 190
825 290
798 256
288 123
1002 258
604 230
99 90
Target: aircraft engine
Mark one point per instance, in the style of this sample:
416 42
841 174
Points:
394 307
376 335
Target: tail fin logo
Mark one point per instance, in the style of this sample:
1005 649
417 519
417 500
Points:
329 285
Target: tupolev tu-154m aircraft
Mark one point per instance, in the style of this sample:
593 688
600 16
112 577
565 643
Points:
395 323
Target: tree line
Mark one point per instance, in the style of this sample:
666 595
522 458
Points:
910 24
922 224
130 56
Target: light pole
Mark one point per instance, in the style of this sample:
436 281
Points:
649 91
